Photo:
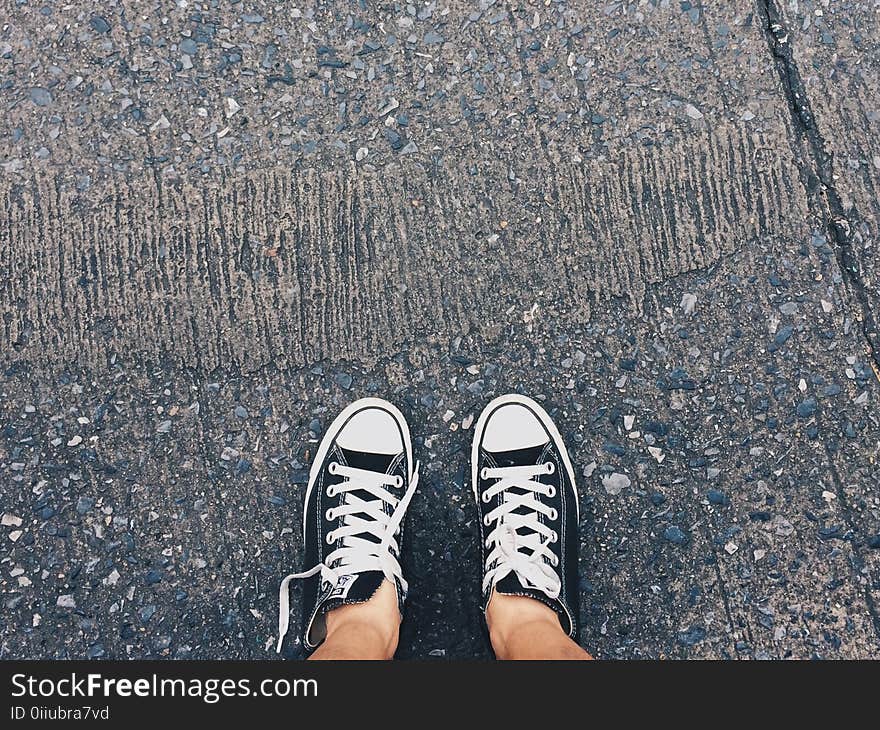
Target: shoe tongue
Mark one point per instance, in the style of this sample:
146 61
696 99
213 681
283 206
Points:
519 457
357 588
378 463
369 462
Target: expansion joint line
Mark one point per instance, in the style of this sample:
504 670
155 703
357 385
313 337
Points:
817 166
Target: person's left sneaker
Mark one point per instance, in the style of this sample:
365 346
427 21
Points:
360 484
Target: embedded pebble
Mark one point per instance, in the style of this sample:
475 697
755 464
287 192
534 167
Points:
688 302
84 505
615 483
160 124
99 24
40 96
232 107
807 408
675 535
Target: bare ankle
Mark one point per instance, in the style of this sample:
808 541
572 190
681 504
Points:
506 614
377 621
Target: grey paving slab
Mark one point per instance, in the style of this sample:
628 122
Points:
828 56
608 207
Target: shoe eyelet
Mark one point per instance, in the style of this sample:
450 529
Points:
486 498
331 491
554 561
553 515
486 521
549 467
551 491
332 467
488 544
484 473
398 481
328 515
329 539
554 537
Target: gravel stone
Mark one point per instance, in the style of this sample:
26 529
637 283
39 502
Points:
615 483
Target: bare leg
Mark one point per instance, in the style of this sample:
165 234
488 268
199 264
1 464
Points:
523 628
363 630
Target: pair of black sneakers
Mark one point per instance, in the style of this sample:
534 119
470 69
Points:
362 481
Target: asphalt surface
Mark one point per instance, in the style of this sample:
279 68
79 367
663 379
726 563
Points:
223 224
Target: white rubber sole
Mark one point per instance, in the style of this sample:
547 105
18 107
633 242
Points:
333 431
546 421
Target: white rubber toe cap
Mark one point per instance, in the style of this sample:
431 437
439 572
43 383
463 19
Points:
513 426
373 431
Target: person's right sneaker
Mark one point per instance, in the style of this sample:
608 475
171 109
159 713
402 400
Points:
526 497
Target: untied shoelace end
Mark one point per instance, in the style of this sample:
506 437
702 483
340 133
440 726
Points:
328 574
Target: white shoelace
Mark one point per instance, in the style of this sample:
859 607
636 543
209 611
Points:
357 554
535 569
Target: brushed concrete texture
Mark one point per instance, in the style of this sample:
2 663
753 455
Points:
301 267
223 224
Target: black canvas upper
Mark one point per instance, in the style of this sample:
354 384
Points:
566 525
318 598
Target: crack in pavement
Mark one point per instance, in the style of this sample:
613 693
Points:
819 177
723 590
